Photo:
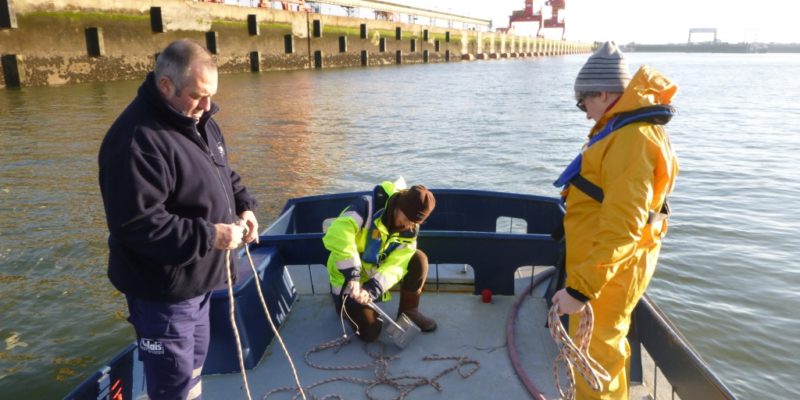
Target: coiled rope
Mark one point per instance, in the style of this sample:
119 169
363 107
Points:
575 356
402 385
269 318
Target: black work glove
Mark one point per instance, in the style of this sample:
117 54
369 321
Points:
373 288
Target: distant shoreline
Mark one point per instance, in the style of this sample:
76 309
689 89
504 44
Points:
719 47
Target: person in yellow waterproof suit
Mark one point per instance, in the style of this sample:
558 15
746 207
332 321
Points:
616 192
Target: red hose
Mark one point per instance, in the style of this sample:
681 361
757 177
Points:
511 323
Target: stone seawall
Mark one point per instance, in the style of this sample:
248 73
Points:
72 41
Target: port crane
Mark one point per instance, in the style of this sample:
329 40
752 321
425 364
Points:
538 15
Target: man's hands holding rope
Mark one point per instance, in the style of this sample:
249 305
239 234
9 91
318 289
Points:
231 236
248 219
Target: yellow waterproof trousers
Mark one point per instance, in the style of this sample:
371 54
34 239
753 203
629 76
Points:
612 320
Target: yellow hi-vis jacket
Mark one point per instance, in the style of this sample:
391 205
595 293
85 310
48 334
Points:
362 248
636 168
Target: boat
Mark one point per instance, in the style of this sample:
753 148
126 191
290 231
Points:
492 256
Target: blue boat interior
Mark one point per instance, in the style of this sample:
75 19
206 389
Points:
494 234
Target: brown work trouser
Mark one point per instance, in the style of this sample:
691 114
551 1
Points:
365 317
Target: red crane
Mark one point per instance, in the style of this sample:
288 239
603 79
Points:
531 14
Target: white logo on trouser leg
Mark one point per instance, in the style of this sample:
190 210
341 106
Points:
151 346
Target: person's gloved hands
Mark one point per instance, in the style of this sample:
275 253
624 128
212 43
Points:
354 291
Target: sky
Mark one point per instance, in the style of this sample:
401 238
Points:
652 21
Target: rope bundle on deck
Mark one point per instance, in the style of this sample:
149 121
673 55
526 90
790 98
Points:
403 385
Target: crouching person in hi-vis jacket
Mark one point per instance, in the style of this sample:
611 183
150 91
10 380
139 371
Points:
373 245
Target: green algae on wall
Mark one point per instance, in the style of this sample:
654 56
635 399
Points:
53 44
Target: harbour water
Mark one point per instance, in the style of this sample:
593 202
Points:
729 270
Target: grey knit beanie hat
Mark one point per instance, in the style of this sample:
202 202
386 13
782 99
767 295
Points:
605 71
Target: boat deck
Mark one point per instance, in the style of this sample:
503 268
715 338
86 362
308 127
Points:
490 237
467 328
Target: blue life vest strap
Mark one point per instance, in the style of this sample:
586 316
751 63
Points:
372 250
373 246
659 115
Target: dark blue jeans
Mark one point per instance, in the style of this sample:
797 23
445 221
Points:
173 342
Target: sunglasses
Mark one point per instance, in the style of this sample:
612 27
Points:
580 105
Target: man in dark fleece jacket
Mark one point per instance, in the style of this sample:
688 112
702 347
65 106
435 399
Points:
173 207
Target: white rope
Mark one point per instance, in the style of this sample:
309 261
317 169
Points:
575 356
342 313
272 325
233 322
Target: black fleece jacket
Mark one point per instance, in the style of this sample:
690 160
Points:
165 182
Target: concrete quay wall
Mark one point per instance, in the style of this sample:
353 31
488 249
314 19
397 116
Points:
73 41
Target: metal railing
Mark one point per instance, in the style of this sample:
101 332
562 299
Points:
403 13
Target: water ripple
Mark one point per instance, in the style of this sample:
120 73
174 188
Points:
728 272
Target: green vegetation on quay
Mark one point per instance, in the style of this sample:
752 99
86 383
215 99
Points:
82 16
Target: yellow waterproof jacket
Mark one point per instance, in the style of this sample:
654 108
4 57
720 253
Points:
636 169
348 237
